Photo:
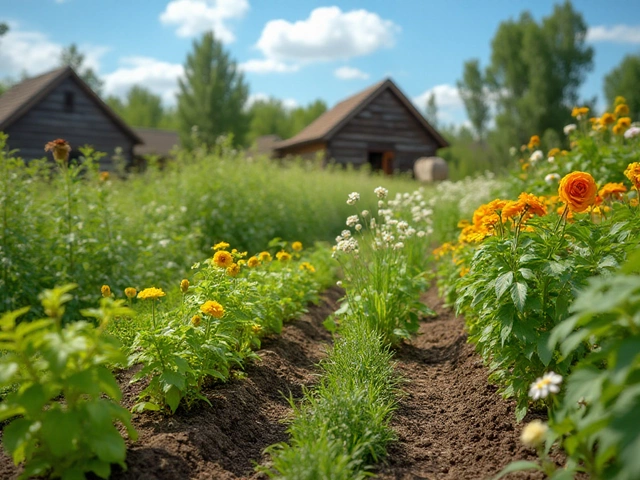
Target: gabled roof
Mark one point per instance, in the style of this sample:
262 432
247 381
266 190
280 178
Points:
329 123
20 98
156 141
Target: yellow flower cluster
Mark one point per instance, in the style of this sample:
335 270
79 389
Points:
633 174
307 266
283 256
220 246
213 308
152 293
264 256
534 141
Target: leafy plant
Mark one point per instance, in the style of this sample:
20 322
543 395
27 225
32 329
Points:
62 413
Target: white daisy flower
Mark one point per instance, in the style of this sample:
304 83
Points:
569 128
542 387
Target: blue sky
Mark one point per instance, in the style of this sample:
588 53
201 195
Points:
297 50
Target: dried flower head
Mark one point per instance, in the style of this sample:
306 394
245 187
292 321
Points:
60 149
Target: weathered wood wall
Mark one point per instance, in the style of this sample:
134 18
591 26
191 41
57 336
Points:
385 124
86 124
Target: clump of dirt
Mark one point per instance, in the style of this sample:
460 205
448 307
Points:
451 424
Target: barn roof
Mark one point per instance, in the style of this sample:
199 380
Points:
329 123
20 98
156 141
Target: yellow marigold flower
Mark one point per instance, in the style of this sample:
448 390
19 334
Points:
307 266
184 285
104 176
283 256
233 270
213 308
578 190
564 152
60 149
619 100
264 256
525 166
223 259
220 246
617 130
622 110
534 433
196 320
463 223
464 271
624 122
607 119
633 202
444 248
535 205
130 292
296 246
554 152
106 291
242 262
534 141
486 215
253 261
632 172
579 111
473 234
152 293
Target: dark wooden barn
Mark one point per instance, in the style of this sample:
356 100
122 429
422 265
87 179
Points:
378 126
59 104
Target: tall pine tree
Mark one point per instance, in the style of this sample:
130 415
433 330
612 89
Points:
212 95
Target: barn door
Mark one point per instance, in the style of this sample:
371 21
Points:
387 163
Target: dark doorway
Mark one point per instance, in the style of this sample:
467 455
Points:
381 161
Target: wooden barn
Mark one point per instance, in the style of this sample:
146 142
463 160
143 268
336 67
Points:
378 126
59 104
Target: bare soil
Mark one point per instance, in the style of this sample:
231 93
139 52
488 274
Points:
450 423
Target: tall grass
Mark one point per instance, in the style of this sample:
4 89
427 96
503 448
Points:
60 226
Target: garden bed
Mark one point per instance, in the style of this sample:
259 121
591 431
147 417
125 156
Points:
450 424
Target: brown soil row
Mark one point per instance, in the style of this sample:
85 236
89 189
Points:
450 424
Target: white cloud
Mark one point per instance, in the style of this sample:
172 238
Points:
350 73
193 17
328 34
158 76
288 103
448 101
267 65
34 53
615 34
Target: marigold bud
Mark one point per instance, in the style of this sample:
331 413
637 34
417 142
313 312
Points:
184 285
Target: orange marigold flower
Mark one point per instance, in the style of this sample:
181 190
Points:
554 152
296 246
223 259
633 173
579 111
535 205
60 149
213 308
607 119
513 209
622 110
233 270
104 176
106 291
578 191
534 141
613 191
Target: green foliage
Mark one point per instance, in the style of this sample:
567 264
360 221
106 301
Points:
272 117
431 110
142 108
62 411
472 90
342 425
212 95
623 80
72 57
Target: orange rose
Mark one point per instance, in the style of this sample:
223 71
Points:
578 190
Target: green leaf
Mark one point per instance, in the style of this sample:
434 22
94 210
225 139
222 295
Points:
142 406
503 282
172 379
544 352
108 445
33 399
7 372
108 383
172 397
15 438
518 466
519 295
60 431
73 474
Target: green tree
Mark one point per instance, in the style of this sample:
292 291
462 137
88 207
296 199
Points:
72 57
624 80
535 73
212 95
300 117
472 90
431 110
4 28
269 117
141 109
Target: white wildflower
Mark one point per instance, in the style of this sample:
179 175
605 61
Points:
542 387
353 198
552 178
381 192
421 233
339 283
536 156
346 234
380 203
365 213
358 227
513 151
632 132
398 246
568 129
352 220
